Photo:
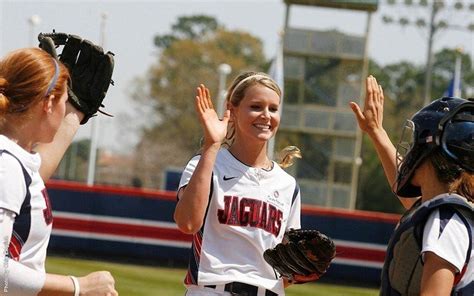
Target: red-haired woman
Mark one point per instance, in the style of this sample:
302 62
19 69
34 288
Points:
36 127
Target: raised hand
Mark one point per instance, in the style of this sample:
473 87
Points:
215 129
370 119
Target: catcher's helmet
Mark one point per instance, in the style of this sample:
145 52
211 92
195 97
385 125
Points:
446 124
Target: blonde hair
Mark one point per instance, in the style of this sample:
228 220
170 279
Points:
236 94
286 156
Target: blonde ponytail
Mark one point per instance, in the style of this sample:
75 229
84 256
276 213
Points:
287 154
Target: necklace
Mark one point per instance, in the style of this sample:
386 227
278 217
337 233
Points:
268 165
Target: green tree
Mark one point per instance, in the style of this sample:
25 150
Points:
189 55
443 72
187 27
403 88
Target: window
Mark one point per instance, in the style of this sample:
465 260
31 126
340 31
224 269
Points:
342 172
320 81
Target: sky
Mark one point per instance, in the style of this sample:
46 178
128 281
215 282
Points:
129 28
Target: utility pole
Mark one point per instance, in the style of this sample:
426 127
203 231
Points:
457 73
95 121
429 55
434 26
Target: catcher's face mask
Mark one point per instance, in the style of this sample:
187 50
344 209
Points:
410 153
407 141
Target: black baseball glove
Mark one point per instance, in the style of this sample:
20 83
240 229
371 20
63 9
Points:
303 255
90 69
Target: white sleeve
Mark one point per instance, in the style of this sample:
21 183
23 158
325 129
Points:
446 235
15 278
294 218
12 183
7 218
188 171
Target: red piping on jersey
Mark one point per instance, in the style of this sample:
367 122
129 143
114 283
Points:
193 268
14 249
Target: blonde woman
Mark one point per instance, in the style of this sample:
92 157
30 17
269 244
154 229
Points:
235 200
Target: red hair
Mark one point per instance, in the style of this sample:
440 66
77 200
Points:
25 77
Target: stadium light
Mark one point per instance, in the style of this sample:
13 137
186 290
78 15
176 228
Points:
224 70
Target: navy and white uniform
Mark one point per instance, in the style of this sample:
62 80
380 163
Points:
26 219
450 235
443 225
249 211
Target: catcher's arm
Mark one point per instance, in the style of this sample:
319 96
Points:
370 121
438 275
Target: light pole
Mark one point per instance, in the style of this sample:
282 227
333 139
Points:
95 122
33 21
429 55
457 73
224 70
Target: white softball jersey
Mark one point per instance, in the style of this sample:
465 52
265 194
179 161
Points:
23 195
448 236
249 211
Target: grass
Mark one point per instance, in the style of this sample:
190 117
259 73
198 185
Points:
137 280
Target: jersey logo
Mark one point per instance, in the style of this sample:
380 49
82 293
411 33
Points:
228 178
250 212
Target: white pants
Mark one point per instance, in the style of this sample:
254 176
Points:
203 291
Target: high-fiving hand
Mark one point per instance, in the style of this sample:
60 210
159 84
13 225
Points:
215 129
370 119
